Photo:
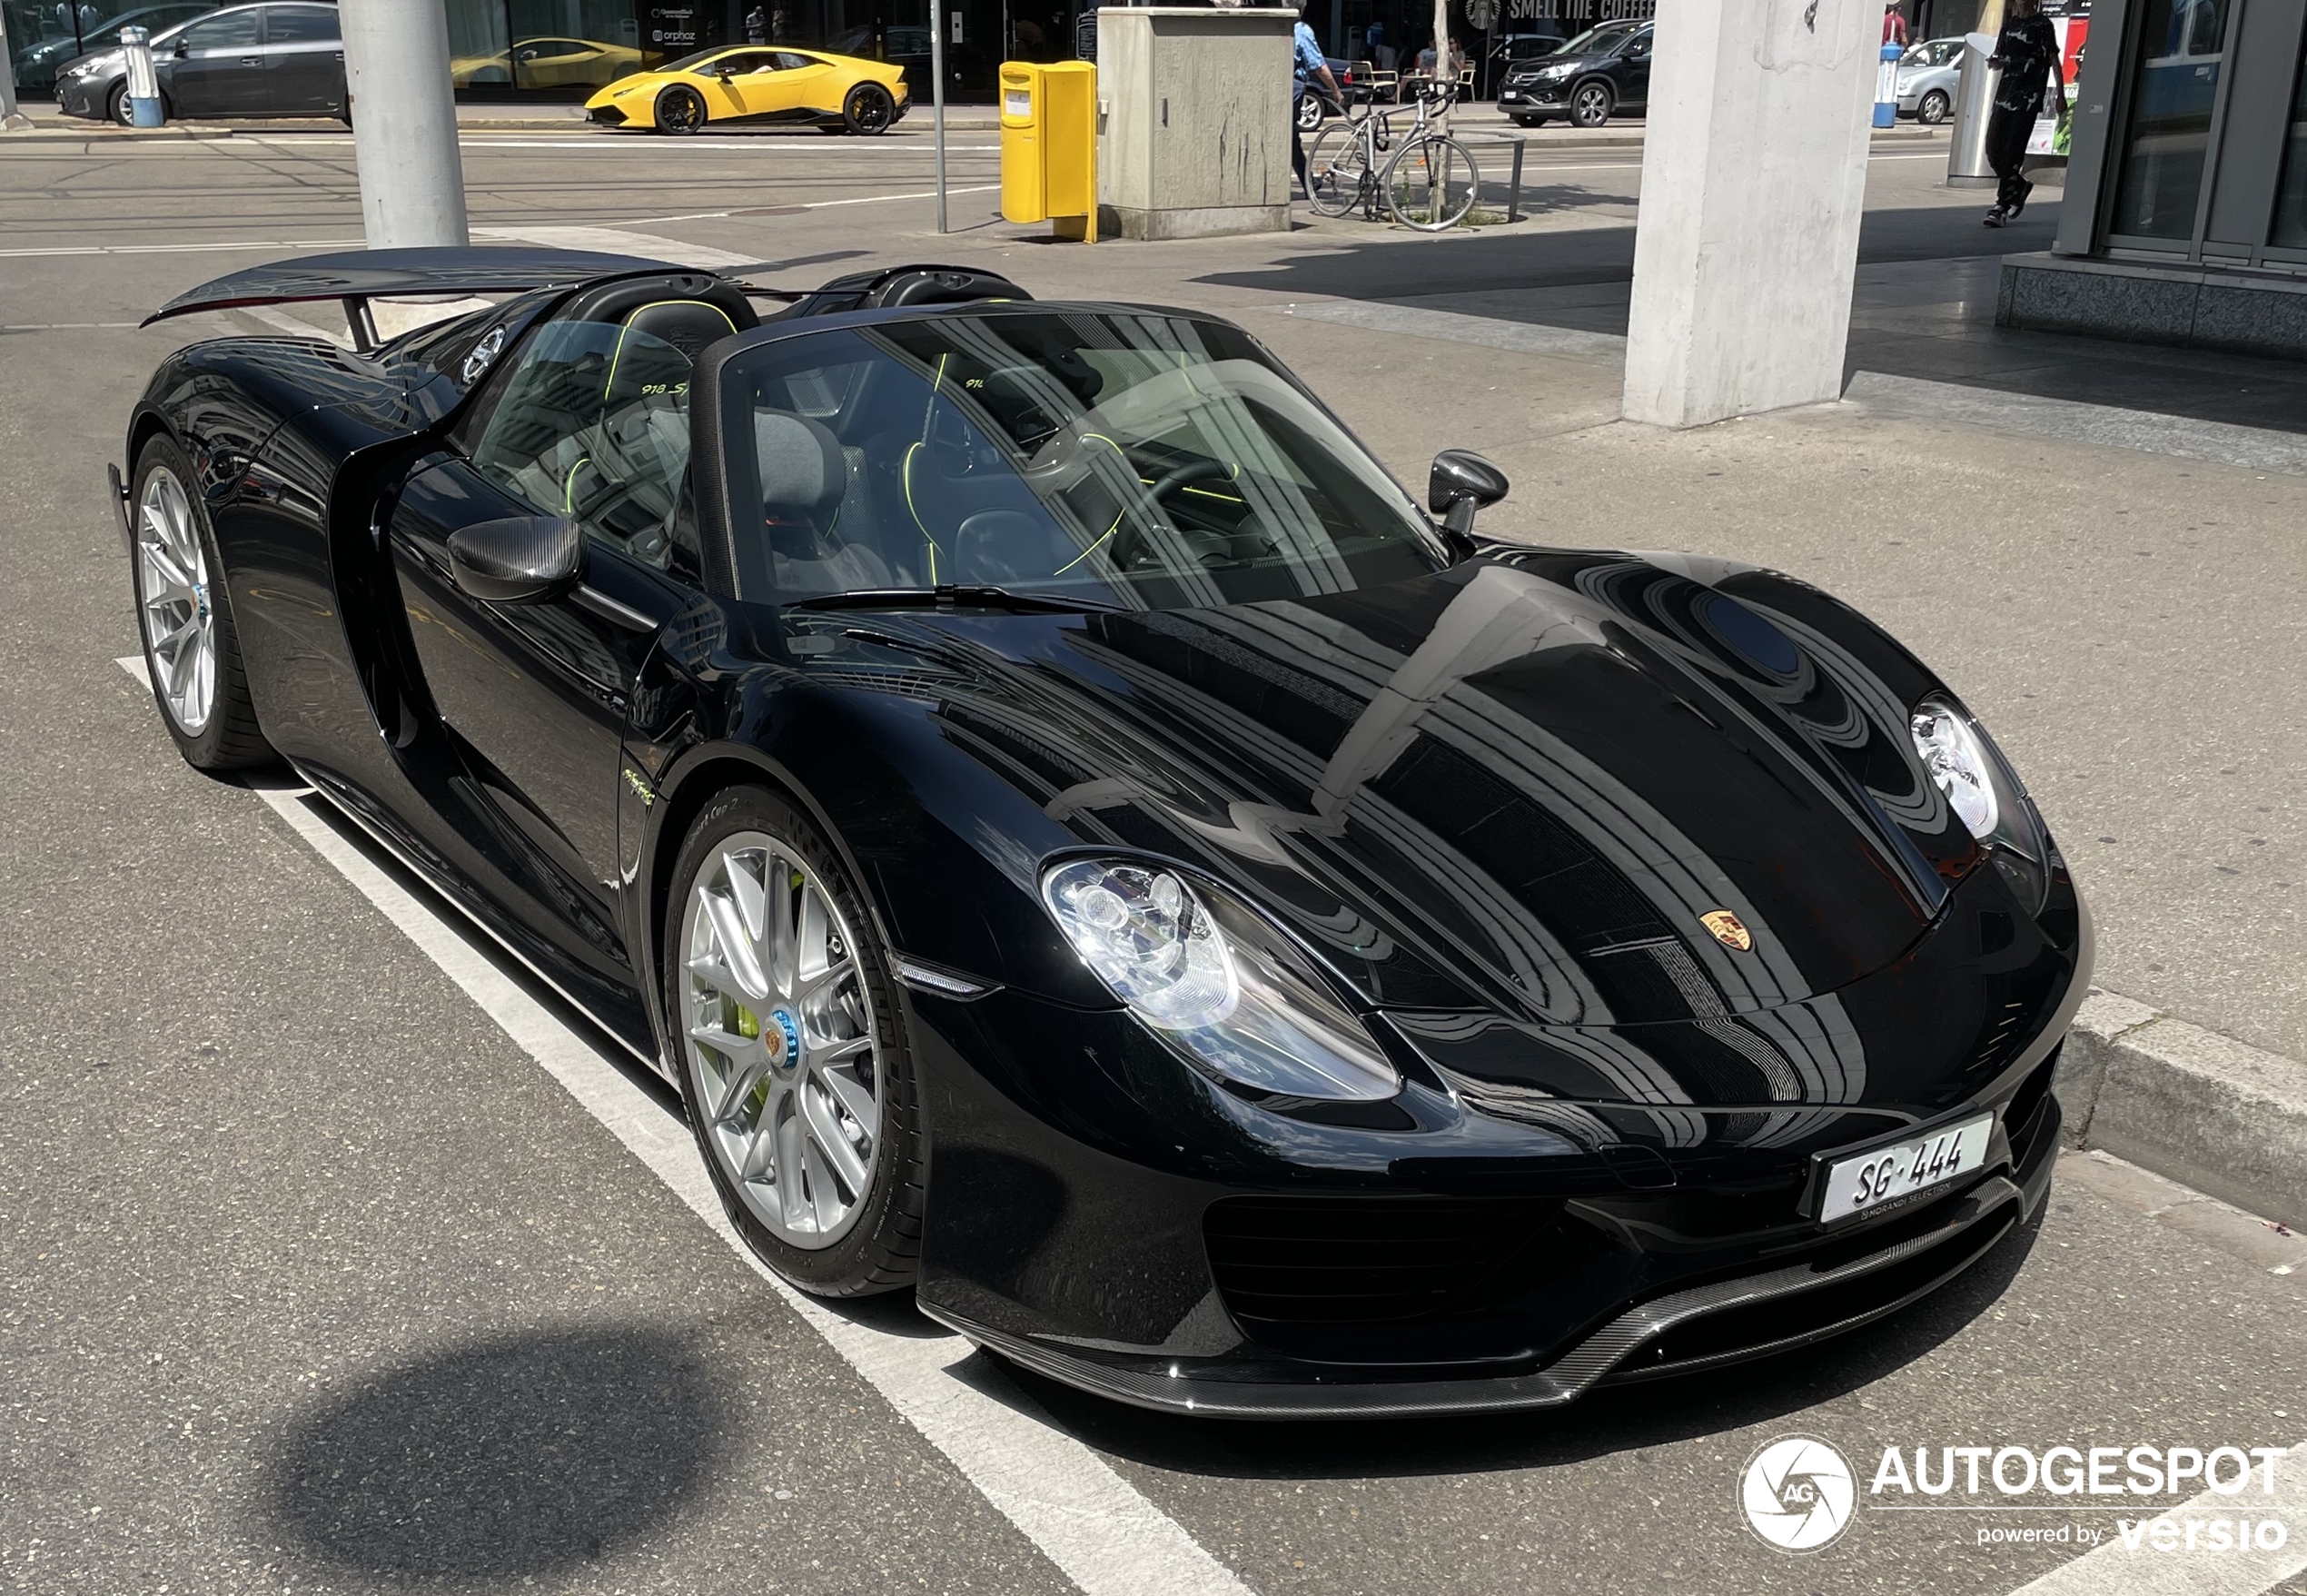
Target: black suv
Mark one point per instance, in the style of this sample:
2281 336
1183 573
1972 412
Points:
1604 69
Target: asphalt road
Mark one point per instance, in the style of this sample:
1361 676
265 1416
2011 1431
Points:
332 1256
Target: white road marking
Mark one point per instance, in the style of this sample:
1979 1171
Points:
182 249
1083 1517
649 147
2114 1569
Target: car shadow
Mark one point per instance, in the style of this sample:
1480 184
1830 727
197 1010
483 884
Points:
527 1455
1612 1419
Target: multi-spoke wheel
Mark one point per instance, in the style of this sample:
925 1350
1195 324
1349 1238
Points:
1431 183
681 109
1591 104
869 109
793 1064
184 620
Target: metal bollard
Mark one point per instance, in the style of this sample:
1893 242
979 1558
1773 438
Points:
1514 195
1967 164
144 84
1886 87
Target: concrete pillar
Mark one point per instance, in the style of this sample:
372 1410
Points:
11 119
404 123
1754 178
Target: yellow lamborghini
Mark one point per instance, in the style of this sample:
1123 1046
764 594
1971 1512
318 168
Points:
757 83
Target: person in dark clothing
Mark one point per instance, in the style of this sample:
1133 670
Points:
2028 53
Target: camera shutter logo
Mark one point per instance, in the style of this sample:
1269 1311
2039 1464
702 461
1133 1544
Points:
1798 1492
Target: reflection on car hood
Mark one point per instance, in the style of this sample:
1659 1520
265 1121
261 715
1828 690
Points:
1521 785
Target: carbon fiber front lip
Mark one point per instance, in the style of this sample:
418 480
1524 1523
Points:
1568 1377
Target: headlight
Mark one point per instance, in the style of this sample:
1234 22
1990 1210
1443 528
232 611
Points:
1213 980
1984 794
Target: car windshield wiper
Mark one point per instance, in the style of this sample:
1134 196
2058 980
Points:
953 596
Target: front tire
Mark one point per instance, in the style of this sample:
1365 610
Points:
868 110
1308 113
794 1067
680 111
1934 108
184 619
1591 104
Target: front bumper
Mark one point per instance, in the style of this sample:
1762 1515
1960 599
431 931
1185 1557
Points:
1495 1237
1531 97
1690 1330
84 97
609 116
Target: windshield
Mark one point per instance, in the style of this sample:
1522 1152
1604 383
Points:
1136 460
691 63
1595 40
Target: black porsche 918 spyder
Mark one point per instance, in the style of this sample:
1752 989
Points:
1089 847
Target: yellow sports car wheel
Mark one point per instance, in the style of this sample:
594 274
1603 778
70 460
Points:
868 109
681 109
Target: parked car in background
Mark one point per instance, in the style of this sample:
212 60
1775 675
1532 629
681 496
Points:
551 63
1312 108
285 60
1927 74
1517 50
36 61
758 84
1603 71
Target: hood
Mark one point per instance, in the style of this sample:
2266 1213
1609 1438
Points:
1524 785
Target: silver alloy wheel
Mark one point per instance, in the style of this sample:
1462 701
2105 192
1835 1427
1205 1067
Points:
1591 108
172 594
781 1055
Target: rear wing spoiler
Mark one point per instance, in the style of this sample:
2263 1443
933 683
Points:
357 276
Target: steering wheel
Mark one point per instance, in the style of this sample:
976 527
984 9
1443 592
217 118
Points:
1126 541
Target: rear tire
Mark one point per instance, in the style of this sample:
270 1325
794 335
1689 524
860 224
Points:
185 617
1337 176
780 1088
680 111
868 110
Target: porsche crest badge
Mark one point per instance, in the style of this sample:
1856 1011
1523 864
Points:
1729 929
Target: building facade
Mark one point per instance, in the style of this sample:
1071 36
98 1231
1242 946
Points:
2185 213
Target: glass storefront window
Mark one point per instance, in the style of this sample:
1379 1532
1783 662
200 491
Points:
2182 47
2290 231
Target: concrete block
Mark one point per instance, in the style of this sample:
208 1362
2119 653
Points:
2082 1061
1193 119
2205 1110
2251 319
2057 298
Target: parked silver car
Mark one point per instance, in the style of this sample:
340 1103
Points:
1927 73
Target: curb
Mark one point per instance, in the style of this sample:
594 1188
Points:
2202 1108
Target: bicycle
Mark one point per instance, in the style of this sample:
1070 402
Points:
1429 182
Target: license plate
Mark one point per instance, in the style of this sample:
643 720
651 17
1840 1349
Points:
1866 1181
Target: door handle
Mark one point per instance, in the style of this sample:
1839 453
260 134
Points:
251 60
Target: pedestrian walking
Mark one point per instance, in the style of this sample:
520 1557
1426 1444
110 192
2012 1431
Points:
2028 53
1308 65
1894 25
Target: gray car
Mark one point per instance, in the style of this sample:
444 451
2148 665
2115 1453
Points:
281 60
1927 74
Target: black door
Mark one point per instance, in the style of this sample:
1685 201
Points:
590 422
217 68
303 60
1633 73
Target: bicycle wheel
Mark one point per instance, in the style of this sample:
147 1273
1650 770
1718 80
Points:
1432 183
1336 170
